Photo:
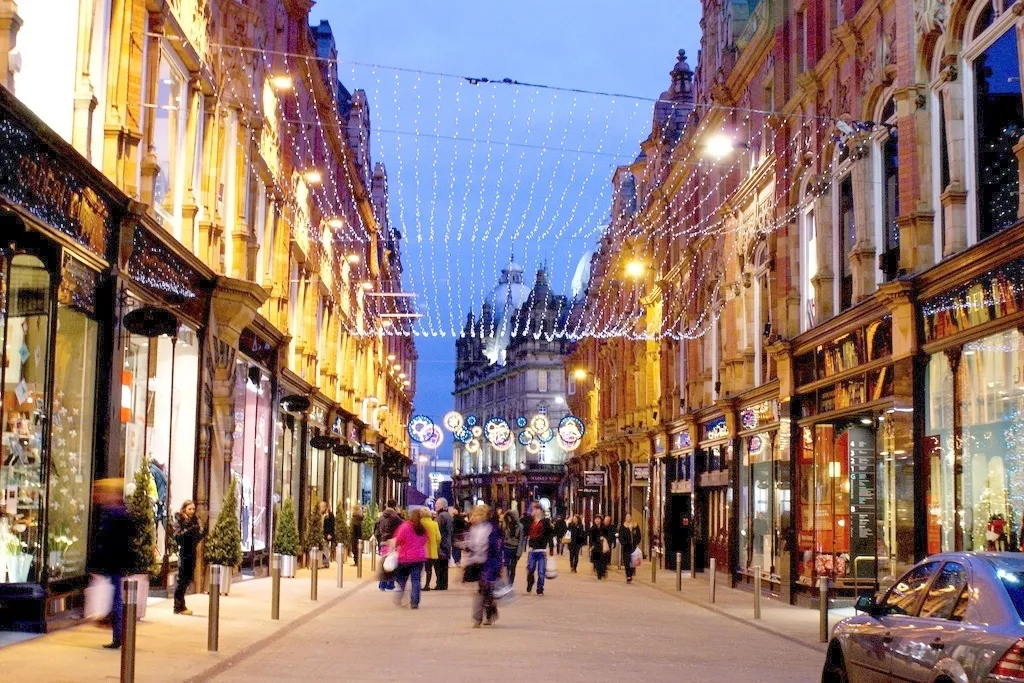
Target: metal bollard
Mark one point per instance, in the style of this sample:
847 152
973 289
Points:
275 587
679 571
359 560
693 558
757 592
711 582
654 565
131 601
340 553
213 626
823 609
374 547
314 567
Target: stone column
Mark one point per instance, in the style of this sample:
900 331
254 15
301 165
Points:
190 201
150 165
823 281
954 195
863 262
10 23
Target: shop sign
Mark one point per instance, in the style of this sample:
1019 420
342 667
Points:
593 478
535 478
659 445
353 432
680 486
155 266
759 414
338 426
37 179
720 478
993 295
716 429
862 491
318 414
641 472
681 440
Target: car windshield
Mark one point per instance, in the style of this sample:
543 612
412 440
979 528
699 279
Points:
1010 572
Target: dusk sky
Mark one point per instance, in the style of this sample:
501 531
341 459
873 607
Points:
477 172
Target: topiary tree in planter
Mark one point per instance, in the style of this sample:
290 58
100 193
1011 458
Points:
342 524
314 528
224 544
286 538
370 521
140 512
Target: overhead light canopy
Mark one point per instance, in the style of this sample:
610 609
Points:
366 285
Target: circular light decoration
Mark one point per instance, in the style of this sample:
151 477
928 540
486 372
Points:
473 446
533 448
571 428
525 437
434 439
463 435
477 431
547 435
502 446
539 424
453 421
471 420
567 445
521 422
420 427
496 429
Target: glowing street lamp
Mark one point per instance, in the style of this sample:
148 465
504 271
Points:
635 268
352 258
282 82
580 374
336 223
313 177
719 146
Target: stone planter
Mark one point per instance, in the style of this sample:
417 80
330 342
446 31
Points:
288 564
140 607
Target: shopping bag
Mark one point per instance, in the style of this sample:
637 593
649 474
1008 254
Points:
503 591
551 572
99 597
390 563
567 538
635 558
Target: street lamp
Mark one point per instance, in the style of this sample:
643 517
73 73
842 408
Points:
635 268
580 374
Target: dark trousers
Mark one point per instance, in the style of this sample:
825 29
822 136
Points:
574 556
483 603
429 564
511 558
600 563
627 562
117 609
441 569
559 546
186 569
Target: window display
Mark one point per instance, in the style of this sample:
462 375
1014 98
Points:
764 500
158 419
250 462
983 386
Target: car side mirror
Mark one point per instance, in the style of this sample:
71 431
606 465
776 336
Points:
868 605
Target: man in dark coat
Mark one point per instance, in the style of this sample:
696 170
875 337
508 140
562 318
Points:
560 528
112 555
327 523
446 524
385 528
357 533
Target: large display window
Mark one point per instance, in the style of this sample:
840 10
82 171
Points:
975 399
765 504
159 388
250 462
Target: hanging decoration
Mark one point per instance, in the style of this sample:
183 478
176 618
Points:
420 428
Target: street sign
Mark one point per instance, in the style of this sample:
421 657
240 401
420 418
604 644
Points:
593 478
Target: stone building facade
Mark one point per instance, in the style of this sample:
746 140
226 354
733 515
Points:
189 201
837 395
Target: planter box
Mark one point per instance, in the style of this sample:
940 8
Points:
140 607
288 563
225 579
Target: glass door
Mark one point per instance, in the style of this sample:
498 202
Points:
25 323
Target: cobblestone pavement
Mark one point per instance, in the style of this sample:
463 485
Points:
579 630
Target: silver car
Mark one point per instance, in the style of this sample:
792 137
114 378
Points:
954 617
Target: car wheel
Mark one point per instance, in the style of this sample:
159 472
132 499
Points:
835 666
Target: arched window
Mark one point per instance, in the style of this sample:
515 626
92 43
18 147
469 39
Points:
808 260
995 113
763 371
845 231
887 233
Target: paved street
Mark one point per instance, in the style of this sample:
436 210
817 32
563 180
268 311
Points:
580 630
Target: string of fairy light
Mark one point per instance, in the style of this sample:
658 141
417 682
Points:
484 170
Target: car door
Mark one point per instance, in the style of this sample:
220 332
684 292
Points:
869 640
923 639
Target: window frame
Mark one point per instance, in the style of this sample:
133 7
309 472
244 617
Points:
808 225
882 136
839 259
762 271
177 122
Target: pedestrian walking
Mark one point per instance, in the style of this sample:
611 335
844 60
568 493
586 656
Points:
483 552
610 533
629 540
187 534
539 540
560 528
385 528
577 539
112 556
512 541
433 541
598 543
356 533
460 527
410 542
446 525
327 523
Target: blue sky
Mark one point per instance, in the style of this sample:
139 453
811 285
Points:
477 172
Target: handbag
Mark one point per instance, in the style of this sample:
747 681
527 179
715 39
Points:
635 558
390 563
471 573
99 597
567 538
605 548
551 572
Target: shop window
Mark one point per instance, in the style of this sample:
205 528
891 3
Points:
763 366
998 125
983 386
889 233
169 116
158 420
846 237
809 265
250 460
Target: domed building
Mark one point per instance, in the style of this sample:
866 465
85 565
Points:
510 364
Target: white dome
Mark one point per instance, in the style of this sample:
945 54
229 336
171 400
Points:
509 294
581 278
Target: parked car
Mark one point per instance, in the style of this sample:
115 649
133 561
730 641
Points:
953 618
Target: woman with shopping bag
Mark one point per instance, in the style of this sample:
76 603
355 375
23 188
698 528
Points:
629 540
409 546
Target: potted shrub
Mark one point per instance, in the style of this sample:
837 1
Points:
342 527
143 543
314 531
224 544
286 539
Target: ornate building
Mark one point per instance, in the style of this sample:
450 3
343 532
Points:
195 242
509 366
838 392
